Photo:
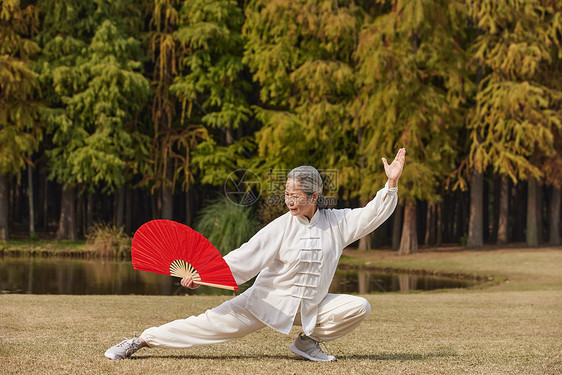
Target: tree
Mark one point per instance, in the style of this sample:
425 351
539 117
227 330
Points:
475 238
552 168
211 80
551 164
306 77
162 49
514 118
102 143
503 227
64 33
411 70
300 55
20 127
98 91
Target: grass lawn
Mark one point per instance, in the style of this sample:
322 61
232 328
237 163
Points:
513 326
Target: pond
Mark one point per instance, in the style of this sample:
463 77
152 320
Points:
37 275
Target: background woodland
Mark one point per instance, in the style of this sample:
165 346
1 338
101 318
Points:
122 111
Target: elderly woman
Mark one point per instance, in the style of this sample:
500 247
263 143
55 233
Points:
296 257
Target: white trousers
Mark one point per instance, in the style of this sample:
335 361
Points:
338 314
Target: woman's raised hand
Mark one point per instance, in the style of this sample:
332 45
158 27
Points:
189 283
394 170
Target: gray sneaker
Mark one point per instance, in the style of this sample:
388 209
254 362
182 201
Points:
124 349
310 349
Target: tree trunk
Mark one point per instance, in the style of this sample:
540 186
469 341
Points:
30 195
445 208
518 212
45 201
461 215
89 212
4 208
439 226
485 210
554 222
475 224
540 236
167 197
495 187
429 226
167 203
452 213
503 225
80 213
67 220
532 214
365 243
397 222
156 205
15 204
229 137
409 240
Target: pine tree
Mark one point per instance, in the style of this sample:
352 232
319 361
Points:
211 86
300 55
20 127
100 149
91 71
515 119
65 30
551 163
411 70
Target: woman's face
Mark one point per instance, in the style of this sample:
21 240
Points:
297 201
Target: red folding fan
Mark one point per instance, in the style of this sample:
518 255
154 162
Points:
170 248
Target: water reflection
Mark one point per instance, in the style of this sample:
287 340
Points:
76 276
364 281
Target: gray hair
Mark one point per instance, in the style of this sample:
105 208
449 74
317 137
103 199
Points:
311 182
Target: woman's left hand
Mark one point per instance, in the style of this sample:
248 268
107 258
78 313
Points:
394 170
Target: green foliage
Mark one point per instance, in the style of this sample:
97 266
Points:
211 47
289 40
21 130
96 142
175 93
107 241
216 162
227 225
173 140
63 36
412 87
300 53
516 118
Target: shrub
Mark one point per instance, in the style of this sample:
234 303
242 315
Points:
108 241
226 225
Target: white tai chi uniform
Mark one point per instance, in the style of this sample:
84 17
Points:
296 260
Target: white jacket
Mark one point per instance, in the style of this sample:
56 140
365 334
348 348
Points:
297 259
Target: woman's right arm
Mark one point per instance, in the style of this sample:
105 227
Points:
189 283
